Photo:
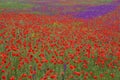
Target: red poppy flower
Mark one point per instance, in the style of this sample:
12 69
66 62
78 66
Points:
53 76
72 67
77 73
12 78
112 75
4 77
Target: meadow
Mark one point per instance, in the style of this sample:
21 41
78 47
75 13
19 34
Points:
59 47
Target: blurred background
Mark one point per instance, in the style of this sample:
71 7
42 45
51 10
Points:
85 9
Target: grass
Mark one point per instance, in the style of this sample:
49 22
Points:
82 2
14 5
97 2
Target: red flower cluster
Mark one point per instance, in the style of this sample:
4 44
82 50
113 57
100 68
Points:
34 47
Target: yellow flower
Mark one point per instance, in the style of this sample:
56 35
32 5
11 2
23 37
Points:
33 34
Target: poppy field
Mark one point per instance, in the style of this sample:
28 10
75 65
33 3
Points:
59 47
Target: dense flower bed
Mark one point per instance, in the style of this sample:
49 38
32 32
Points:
34 47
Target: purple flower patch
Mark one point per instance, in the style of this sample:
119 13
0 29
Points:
95 11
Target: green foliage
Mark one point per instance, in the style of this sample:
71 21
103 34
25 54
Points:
14 5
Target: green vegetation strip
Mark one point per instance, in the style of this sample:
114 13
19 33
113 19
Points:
15 5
